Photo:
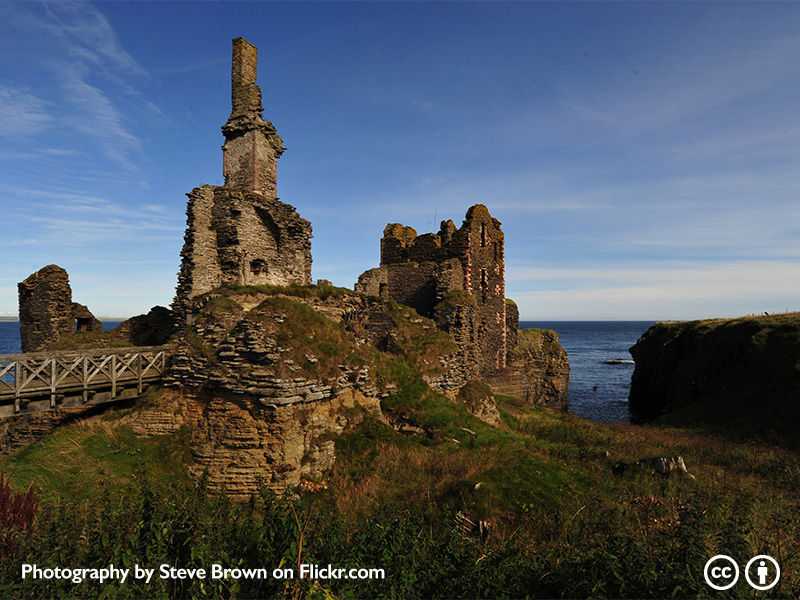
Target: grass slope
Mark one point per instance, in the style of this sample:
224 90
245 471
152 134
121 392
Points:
560 522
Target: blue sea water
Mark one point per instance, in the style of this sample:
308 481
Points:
597 390
9 335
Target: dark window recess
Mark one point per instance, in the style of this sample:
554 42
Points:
258 266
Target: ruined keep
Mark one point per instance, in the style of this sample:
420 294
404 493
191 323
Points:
240 233
456 277
46 309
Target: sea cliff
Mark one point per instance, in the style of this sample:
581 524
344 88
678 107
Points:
720 370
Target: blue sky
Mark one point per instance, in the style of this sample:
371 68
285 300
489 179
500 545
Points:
643 158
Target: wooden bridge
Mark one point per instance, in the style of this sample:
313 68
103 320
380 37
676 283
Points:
42 380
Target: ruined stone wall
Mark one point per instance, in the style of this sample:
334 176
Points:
252 145
240 238
512 327
485 278
373 282
45 308
240 233
47 312
413 284
260 241
421 270
200 271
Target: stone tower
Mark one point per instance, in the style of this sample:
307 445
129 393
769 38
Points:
455 276
252 145
240 233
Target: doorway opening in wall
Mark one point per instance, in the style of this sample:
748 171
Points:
83 324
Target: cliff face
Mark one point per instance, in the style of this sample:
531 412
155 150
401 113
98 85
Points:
719 369
266 379
537 371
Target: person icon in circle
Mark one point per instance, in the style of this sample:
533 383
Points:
762 572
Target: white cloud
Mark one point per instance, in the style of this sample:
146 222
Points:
22 113
69 218
656 291
85 57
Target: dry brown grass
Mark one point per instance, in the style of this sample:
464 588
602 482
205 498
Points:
407 476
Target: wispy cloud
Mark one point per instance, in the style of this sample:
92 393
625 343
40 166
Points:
22 113
652 290
86 59
72 218
684 85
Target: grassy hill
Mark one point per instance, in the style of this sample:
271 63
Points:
565 511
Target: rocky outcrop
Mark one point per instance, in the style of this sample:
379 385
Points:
266 380
537 372
152 329
47 312
719 370
241 442
478 399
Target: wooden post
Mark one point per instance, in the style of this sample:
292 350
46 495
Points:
139 370
113 375
17 384
85 379
53 366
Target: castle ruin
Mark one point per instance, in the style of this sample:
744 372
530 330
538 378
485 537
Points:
47 312
240 233
456 277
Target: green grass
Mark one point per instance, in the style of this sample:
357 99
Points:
300 291
543 483
76 462
560 520
91 339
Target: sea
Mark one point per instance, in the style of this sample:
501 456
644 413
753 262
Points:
597 390
600 364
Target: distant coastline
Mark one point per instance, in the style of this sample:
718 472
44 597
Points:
103 319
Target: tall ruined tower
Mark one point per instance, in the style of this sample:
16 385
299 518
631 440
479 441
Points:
455 276
252 145
240 233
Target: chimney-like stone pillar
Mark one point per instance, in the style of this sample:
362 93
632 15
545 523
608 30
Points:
245 93
252 145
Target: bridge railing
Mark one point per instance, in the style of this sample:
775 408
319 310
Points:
38 375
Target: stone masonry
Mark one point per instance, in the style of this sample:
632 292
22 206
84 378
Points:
241 233
455 276
46 309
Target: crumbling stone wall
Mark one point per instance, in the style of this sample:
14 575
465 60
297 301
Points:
252 145
46 309
512 328
241 233
373 282
464 268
